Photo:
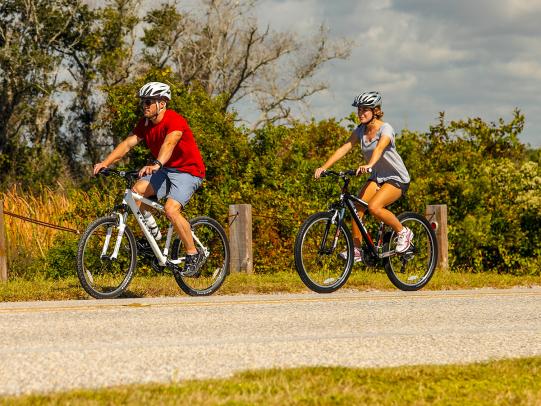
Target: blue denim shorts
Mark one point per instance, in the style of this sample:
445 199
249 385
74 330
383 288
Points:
170 183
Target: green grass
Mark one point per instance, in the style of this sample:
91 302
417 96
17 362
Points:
164 285
505 382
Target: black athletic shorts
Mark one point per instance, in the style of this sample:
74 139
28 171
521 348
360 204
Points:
402 186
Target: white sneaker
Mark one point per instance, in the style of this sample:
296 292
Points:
403 240
357 256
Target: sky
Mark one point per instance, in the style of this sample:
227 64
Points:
468 58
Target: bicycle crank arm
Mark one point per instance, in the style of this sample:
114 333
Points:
406 255
388 254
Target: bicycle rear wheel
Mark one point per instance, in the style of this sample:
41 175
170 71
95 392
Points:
100 275
318 248
413 269
211 241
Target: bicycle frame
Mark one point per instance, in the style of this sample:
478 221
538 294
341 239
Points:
129 200
348 201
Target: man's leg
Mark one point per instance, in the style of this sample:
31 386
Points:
143 188
180 224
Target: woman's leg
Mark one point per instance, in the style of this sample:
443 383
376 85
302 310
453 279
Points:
367 192
386 195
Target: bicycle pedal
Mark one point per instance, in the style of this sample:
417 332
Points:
408 255
190 274
177 271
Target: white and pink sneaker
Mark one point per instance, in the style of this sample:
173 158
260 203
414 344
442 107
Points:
357 256
403 240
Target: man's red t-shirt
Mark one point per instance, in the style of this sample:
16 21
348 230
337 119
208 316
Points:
186 156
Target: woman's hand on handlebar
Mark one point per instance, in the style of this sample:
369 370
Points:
363 169
318 172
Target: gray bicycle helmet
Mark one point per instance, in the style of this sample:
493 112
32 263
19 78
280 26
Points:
367 99
155 90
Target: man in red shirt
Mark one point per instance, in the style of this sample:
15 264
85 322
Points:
177 169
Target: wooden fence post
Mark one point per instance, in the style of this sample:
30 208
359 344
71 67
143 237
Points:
240 238
3 250
437 213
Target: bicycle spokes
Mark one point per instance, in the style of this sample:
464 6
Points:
211 243
106 258
319 253
412 269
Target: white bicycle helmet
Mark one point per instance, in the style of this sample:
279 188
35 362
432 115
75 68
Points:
367 99
155 90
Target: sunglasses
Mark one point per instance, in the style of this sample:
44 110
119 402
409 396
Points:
148 102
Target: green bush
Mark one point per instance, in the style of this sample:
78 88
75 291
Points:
490 182
61 258
492 189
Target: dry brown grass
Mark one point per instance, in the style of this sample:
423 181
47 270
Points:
49 206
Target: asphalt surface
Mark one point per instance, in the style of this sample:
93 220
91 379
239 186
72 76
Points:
53 346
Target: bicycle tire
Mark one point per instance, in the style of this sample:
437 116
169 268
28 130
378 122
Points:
414 269
215 268
101 277
323 272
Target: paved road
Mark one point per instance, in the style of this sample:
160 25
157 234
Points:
48 346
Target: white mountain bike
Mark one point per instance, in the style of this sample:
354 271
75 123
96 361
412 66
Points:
107 251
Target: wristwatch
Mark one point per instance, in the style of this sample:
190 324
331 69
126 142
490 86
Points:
156 162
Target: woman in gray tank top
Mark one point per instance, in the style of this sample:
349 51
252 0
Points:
389 179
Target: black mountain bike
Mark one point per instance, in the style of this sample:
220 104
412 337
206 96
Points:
324 237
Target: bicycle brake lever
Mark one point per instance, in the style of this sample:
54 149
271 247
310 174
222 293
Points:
104 172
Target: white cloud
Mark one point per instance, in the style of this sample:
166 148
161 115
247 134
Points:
468 58
526 70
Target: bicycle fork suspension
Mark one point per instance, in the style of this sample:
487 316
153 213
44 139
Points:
121 228
336 219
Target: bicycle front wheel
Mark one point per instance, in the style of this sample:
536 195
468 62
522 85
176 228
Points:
211 241
413 269
102 276
323 253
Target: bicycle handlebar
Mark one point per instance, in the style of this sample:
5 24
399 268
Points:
343 174
128 175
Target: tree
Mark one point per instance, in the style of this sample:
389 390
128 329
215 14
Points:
60 59
29 117
227 52
98 54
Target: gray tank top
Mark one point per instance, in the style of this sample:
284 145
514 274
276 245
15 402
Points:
390 166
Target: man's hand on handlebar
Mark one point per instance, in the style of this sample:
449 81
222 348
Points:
98 167
148 169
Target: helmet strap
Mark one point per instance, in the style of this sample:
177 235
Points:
158 111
